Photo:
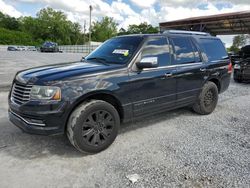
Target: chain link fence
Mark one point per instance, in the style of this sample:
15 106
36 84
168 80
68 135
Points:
83 49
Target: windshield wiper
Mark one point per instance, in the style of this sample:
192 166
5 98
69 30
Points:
99 59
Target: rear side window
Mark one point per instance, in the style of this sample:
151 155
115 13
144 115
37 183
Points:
184 50
214 49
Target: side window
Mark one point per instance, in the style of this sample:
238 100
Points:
183 49
157 47
213 48
196 52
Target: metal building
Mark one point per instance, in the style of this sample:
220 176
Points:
220 24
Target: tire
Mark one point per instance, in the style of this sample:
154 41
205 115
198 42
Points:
207 99
93 126
237 80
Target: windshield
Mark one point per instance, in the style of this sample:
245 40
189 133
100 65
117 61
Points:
117 50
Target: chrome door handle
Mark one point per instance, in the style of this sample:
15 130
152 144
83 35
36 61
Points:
203 69
169 74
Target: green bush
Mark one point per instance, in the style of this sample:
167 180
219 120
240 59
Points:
15 37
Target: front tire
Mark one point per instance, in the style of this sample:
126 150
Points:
207 99
93 126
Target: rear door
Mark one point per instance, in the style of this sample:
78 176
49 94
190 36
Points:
217 61
190 70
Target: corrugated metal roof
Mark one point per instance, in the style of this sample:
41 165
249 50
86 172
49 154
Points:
220 24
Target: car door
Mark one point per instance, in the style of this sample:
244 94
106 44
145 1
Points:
153 89
190 70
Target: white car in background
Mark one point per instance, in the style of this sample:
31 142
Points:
21 48
31 48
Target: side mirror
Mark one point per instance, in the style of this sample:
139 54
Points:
83 59
148 62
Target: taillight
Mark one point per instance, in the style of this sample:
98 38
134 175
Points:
230 68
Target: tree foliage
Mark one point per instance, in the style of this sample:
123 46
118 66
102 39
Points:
142 28
53 25
8 22
104 29
48 25
238 42
15 37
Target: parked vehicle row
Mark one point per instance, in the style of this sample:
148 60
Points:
46 47
242 65
22 48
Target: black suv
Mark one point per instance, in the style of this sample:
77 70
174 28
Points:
242 65
127 77
49 47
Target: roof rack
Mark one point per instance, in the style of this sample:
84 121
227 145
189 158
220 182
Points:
185 32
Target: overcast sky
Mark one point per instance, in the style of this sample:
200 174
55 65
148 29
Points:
126 12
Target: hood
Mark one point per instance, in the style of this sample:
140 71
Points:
61 71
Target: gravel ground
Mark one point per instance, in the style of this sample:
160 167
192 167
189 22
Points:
11 62
174 149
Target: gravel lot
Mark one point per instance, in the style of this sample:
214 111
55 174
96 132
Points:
175 149
11 62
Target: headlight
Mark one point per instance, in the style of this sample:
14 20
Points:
45 93
236 66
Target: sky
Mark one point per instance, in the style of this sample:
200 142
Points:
126 12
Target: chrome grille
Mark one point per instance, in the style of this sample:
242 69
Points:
20 93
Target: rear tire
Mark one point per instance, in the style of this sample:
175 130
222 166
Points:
93 126
207 99
238 80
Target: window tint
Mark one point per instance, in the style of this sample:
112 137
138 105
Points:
214 49
183 49
157 47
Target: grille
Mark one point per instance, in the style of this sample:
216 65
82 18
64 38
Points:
20 93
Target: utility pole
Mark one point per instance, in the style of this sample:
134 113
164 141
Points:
90 10
84 32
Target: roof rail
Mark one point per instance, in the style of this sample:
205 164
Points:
185 32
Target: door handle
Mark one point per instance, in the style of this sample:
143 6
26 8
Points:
203 69
168 74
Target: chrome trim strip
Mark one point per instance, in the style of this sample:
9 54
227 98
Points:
21 91
21 95
174 66
30 123
20 98
23 87
172 31
15 99
154 98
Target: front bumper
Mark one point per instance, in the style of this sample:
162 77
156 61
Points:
31 128
36 121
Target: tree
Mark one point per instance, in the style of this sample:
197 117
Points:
142 28
104 29
238 42
31 25
14 37
8 22
48 25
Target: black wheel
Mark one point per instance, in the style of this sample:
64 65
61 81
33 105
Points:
93 126
207 99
